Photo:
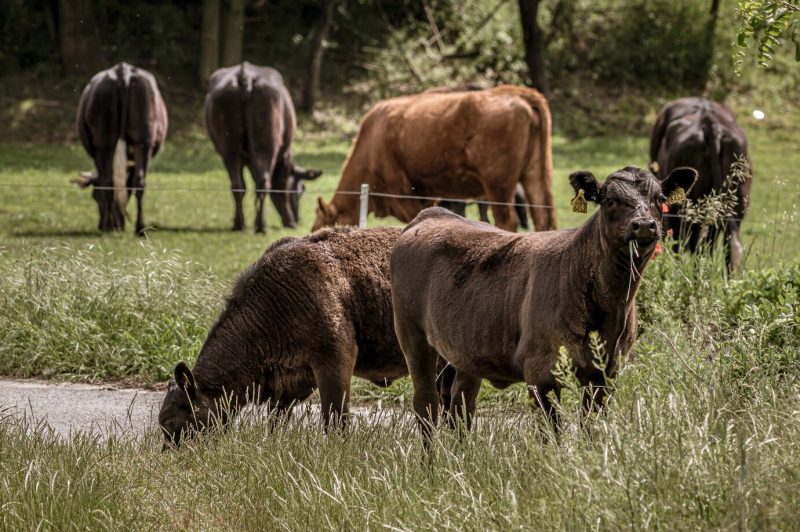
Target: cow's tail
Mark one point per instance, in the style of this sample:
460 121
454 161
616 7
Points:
540 166
245 92
713 141
120 160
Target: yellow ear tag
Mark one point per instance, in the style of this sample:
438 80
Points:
654 167
578 202
678 195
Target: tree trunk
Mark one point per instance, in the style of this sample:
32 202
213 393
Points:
209 52
311 85
78 37
711 26
233 33
534 51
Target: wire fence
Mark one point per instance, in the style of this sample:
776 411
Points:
361 193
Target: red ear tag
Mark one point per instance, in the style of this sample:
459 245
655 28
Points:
657 251
664 208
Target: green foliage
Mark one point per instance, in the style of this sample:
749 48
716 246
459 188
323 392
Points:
765 23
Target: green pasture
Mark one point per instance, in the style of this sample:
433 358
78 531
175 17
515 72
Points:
700 433
188 205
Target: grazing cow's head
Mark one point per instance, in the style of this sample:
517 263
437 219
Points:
185 409
327 215
631 202
287 203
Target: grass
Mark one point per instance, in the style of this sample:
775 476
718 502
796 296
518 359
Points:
701 432
699 435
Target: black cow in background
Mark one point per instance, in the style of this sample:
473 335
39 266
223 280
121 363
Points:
703 135
250 118
460 207
122 122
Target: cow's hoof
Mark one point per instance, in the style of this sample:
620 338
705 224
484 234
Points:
259 230
141 233
237 228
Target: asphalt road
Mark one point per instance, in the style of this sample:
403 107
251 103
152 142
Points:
69 408
103 410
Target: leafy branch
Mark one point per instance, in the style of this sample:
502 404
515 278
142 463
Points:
764 23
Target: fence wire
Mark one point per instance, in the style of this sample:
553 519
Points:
435 199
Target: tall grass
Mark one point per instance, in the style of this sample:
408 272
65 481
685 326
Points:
77 311
682 445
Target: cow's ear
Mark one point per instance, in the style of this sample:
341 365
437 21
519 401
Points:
585 181
678 183
321 205
184 378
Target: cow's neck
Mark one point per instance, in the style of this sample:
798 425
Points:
221 366
611 279
347 206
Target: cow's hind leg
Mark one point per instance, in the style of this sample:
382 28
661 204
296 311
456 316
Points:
502 200
110 217
234 167
141 158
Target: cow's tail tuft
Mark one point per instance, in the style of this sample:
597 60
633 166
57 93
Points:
120 175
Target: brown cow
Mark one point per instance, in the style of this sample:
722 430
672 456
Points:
122 121
311 313
537 293
703 135
450 145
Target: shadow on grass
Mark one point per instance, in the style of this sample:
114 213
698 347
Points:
45 233
156 228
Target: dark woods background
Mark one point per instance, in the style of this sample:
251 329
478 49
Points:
600 62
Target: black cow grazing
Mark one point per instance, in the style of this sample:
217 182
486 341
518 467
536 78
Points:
251 121
703 135
535 292
520 206
311 313
122 122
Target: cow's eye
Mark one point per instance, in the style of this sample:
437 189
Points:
610 202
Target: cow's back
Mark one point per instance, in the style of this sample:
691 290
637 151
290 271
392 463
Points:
442 140
122 89
466 287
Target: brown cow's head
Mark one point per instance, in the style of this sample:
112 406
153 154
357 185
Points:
186 409
327 214
630 202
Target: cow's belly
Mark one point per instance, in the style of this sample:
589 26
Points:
476 340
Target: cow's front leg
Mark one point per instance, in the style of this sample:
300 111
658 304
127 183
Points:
541 383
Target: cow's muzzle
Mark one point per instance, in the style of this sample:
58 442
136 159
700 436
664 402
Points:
643 231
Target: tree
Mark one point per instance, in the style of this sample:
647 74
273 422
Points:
311 86
78 38
764 22
209 52
233 33
534 50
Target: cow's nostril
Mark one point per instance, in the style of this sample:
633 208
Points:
635 226
652 226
